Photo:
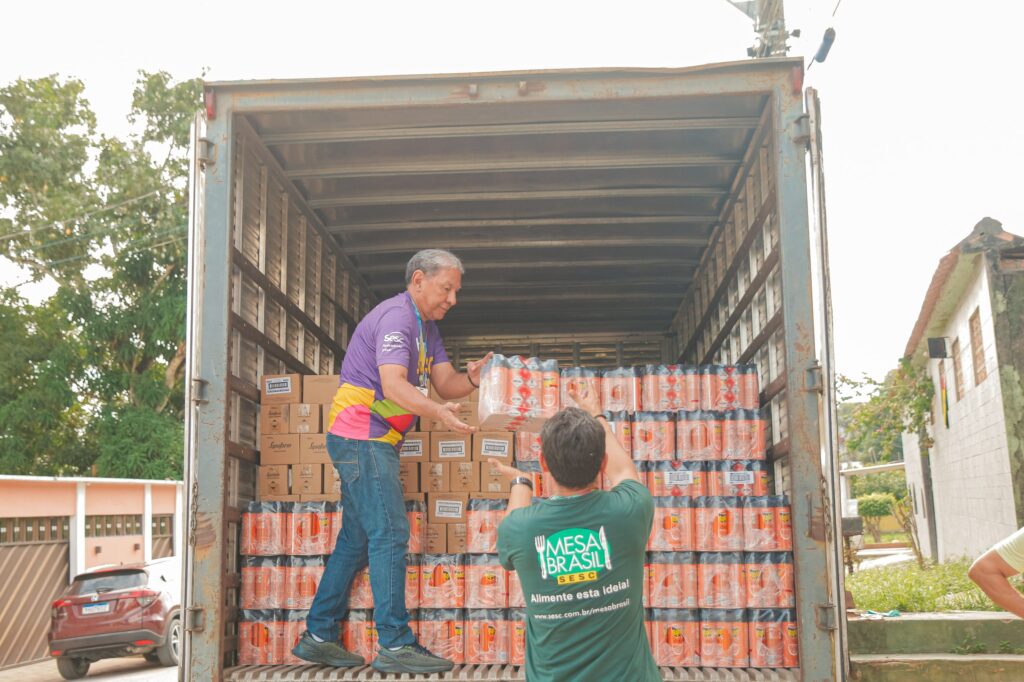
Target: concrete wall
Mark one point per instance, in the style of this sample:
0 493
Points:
915 482
974 502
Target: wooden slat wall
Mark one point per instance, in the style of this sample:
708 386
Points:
35 574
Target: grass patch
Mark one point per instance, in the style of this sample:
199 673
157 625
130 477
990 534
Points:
907 588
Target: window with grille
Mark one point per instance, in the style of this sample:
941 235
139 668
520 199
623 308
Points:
112 525
958 370
163 525
34 529
977 349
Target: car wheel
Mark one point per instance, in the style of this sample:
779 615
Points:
72 668
168 653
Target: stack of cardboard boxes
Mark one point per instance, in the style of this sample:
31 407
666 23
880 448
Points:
444 470
294 466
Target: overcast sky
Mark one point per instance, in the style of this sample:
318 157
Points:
923 124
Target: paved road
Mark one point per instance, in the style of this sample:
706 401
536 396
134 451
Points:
133 669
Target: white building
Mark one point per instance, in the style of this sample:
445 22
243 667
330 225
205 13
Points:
967 489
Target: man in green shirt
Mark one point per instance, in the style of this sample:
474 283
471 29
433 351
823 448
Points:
580 555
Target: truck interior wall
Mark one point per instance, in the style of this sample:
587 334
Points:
295 298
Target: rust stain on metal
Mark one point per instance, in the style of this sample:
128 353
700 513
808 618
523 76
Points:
204 534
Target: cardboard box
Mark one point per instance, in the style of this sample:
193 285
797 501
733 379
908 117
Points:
324 497
280 389
415 497
409 475
308 479
473 397
467 413
463 477
274 419
281 498
325 420
272 480
447 507
456 538
332 481
319 389
304 418
489 496
434 477
436 538
415 447
492 480
313 448
450 447
279 449
493 444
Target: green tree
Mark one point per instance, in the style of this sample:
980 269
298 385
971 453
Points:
111 233
892 482
873 508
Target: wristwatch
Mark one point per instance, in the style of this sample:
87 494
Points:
523 480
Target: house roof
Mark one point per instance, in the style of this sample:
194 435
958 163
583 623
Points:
952 275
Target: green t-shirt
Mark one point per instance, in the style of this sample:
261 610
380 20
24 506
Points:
581 563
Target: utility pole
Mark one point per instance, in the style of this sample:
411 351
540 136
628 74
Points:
769 24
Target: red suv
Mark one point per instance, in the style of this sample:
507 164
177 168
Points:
118 611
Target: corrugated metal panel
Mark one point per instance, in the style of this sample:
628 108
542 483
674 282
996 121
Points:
472 673
35 575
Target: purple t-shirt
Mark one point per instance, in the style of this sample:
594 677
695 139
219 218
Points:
388 335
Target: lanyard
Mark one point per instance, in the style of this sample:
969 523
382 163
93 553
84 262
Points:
421 346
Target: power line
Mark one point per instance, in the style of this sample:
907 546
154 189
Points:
23 233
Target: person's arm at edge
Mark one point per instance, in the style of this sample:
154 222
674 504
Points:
395 385
522 494
452 385
619 466
991 573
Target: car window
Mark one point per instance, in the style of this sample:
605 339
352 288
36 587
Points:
106 582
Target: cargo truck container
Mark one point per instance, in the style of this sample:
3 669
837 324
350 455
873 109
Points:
605 217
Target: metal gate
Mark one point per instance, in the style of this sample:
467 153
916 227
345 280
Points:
35 573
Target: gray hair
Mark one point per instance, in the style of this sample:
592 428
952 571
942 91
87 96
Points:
432 261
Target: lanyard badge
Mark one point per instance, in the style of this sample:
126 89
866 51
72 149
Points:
423 377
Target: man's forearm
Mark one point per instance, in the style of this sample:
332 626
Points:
456 386
1000 591
409 398
520 497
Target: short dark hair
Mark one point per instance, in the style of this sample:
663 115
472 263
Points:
572 443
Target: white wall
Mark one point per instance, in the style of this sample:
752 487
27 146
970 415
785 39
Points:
970 461
915 482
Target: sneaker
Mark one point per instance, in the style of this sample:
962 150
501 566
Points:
412 658
327 653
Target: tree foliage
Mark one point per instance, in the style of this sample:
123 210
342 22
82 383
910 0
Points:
99 374
872 508
892 482
873 430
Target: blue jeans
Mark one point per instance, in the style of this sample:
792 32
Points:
374 531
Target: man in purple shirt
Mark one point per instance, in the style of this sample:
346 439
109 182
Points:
394 355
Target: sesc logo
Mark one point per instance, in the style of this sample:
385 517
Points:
392 341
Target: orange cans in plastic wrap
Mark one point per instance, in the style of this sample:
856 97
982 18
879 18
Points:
620 389
763 519
538 477
359 634
718 524
550 388
412 581
333 510
676 479
720 580
769 580
263 583
310 530
666 388
672 530
516 600
622 426
586 381
675 636
737 477
442 581
723 638
744 434
750 387
773 641
442 631
416 512
294 626
672 580
719 387
261 636
527 446
483 516
486 582
517 636
698 435
654 436
264 529
513 395
360 595
487 637
303 577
